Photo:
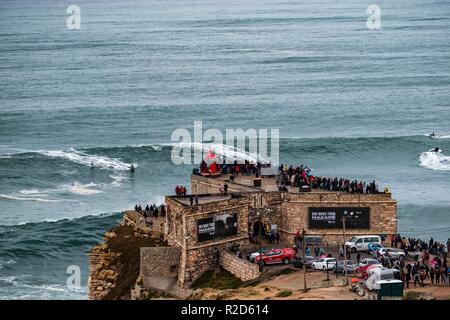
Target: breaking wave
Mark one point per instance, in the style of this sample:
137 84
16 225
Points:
83 158
222 150
435 160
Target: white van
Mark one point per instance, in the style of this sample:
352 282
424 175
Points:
360 243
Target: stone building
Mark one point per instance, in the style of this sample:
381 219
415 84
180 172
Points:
205 230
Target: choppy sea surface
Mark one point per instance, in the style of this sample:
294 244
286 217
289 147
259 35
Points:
348 101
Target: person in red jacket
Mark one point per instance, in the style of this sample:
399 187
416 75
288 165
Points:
177 191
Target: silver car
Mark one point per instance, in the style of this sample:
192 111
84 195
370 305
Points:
392 252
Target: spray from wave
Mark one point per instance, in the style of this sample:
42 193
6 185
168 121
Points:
434 160
85 159
440 136
222 151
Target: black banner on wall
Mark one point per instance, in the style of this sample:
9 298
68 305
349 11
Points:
330 218
217 227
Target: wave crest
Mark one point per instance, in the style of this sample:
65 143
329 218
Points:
434 160
222 150
85 159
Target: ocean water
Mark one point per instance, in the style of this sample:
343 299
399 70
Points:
348 101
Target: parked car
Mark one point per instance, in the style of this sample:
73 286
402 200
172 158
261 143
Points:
361 243
253 255
392 252
373 247
340 266
365 263
307 260
324 264
274 256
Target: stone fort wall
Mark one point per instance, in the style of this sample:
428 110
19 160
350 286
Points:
289 211
241 268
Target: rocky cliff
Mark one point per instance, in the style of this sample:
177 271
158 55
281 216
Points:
114 264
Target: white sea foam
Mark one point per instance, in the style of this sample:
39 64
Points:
438 136
43 291
49 195
156 147
5 263
434 160
79 157
220 150
30 191
117 179
31 198
81 189
223 150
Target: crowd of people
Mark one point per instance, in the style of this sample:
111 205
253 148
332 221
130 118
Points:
293 176
302 177
422 259
151 211
417 245
247 168
180 191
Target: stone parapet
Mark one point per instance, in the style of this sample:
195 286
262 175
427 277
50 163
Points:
240 268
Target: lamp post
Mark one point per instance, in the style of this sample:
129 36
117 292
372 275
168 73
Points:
260 263
304 260
328 274
345 250
259 214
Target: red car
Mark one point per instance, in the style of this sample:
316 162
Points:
366 264
273 256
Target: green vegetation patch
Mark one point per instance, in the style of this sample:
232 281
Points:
157 294
287 271
284 293
217 279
